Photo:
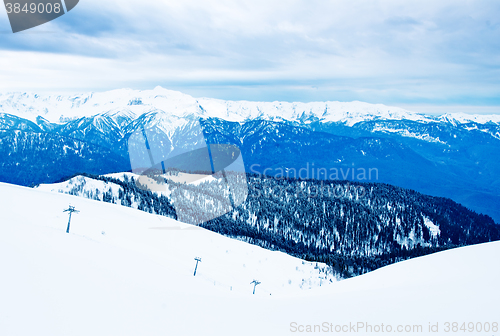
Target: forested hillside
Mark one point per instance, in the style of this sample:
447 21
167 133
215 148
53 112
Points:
356 227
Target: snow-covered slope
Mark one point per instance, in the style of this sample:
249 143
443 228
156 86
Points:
463 118
127 103
124 272
165 241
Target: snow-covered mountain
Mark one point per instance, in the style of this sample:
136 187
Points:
60 108
124 272
453 156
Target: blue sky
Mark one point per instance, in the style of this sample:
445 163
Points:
429 56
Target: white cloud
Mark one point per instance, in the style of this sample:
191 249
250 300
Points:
381 51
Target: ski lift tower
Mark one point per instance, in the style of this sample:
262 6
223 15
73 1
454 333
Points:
196 267
71 209
255 283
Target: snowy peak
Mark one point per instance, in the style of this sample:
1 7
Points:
62 108
463 118
8 121
121 117
349 113
158 119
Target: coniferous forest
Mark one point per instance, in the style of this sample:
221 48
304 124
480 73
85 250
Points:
354 227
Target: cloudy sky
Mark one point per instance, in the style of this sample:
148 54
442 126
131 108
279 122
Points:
429 56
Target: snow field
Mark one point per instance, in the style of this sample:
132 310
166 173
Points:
124 272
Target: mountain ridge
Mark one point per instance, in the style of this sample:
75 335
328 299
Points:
55 108
454 157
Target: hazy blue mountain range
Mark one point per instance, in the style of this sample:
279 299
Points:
44 138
